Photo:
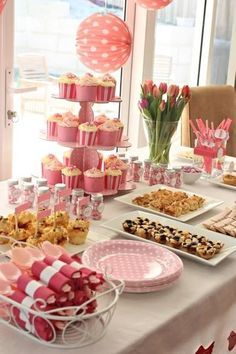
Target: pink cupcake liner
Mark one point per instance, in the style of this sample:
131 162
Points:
67 133
71 181
67 90
52 130
124 176
107 138
100 163
87 138
53 176
105 93
86 93
120 134
94 184
112 182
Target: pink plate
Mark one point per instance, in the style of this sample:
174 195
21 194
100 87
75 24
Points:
137 263
148 289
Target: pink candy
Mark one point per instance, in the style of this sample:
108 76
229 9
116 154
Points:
191 169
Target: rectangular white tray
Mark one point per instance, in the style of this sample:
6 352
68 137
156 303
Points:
219 182
209 203
229 242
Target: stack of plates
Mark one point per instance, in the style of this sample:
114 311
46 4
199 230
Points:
142 266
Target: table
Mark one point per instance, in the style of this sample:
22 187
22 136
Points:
196 311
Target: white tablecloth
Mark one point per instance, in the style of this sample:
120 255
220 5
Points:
198 310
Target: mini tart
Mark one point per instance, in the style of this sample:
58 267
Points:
77 231
20 234
62 219
206 252
24 218
6 226
129 226
57 235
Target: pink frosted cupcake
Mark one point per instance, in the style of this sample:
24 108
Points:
46 160
117 122
52 122
87 134
115 163
71 176
107 134
68 128
86 88
66 158
53 172
66 84
112 178
102 118
106 88
94 180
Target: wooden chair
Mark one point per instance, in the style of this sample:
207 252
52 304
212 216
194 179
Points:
33 71
213 103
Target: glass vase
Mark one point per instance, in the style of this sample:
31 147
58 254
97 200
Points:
159 135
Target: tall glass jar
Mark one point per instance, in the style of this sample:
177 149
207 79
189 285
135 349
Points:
59 187
14 191
97 206
137 171
42 205
76 194
147 167
28 194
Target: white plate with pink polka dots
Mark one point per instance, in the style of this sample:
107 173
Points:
143 267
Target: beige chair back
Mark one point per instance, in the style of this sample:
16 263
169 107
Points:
214 103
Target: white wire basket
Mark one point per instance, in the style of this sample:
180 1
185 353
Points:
77 328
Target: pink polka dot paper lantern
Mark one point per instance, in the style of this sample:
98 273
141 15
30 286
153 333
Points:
103 42
154 4
2 4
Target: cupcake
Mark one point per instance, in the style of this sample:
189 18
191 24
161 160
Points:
52 172
87 134
115 163
67 86
86 88
102 118
60 218
71 176
46 160
117 123
77 231
112 178
94 180
52 122
107 134
68 128
57 235
66 157
106 88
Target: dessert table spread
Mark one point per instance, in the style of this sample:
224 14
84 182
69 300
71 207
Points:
198 310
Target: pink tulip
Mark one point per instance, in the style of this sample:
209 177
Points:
173 91
155 91
162 105
143 103
149 85
185 91
163 87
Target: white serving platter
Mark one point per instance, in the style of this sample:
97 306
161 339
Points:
209 203
229 242
218 181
